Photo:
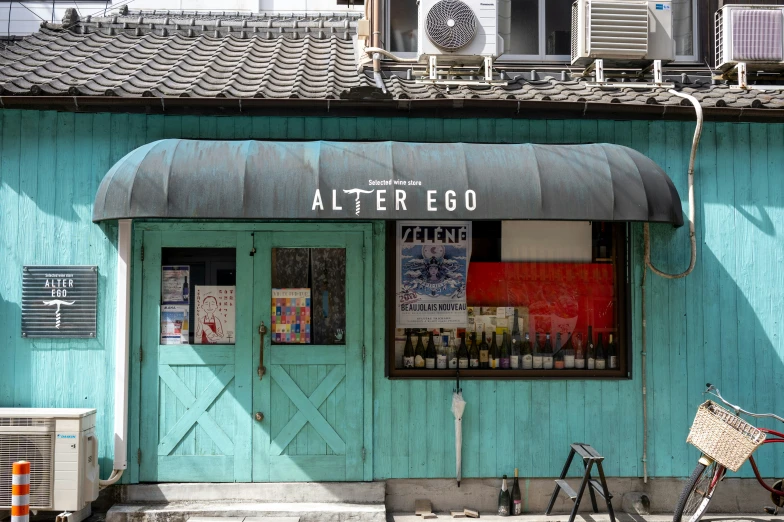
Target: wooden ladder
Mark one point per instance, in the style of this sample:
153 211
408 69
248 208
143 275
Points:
590 457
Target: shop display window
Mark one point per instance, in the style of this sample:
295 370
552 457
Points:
536 300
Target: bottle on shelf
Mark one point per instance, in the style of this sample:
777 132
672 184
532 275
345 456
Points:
505 358
430 353
419 352
601 356
537 354
558 356
462 353
569 357
547 354
484 352
579 352
495 355
440 350
473 353
612 354
451 351
514 352
527 356
590 353
408 351
503 499
517 499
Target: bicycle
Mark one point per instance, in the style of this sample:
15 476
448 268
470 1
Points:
702 484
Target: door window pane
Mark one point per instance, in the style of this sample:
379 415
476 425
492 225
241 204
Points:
198 295
558 14
683 27
308 296
403 26
525 28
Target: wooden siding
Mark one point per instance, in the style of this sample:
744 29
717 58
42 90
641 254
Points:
721 324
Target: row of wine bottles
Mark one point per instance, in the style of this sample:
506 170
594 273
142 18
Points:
510 503
513 353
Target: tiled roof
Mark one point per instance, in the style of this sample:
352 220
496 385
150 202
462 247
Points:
234 55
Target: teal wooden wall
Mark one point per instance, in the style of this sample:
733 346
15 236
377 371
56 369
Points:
721 324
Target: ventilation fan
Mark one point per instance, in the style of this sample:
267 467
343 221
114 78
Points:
451 24
459 31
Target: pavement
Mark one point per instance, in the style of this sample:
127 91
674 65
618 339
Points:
598 517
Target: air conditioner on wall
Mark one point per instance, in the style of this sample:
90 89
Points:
750 34
623 33
457 31
62 449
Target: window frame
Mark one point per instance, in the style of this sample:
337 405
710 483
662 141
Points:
542 57
623 276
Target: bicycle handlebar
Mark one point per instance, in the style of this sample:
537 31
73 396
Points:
711 389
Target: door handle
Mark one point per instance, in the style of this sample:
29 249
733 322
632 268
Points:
261 369
259 416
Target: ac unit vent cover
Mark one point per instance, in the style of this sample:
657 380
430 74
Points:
756 35
618 27
38 450
451 24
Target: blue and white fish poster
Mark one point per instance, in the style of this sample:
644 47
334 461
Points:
432 270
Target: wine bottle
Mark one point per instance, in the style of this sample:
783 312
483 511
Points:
558 357
505 359
185 290
419 353
503 499
579 353
473 353
514 355
408 351
462 353
612 354
484 352
517 499
569 353
547 354
495 356
451 351
537 355
430 353
527 357
601 357
590 351
440 350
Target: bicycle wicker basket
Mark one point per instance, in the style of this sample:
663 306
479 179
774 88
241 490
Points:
722 436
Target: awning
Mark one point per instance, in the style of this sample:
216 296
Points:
386 180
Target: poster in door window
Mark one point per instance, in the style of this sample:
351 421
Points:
214 315
174 284
290 315
432 268
174 324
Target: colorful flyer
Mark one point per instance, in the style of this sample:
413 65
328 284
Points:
175 288
214 315
432 269
290 315
174 324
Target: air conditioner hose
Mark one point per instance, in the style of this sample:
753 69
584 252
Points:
647 247
113 478
384 52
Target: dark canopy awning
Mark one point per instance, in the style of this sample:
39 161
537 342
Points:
386 180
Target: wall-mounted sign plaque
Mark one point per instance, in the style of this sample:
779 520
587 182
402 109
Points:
59 301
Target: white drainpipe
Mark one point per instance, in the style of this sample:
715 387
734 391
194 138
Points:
122 343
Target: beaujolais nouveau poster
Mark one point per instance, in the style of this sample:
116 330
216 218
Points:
432 269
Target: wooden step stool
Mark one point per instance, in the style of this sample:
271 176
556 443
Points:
590 457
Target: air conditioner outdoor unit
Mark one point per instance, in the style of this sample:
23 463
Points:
62 449
457 31
623 33
751 34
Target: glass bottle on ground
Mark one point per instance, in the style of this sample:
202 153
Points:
503 499
517 499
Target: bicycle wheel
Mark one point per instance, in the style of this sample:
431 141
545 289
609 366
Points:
697 493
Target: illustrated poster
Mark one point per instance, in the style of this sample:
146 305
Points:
214 315
175 288
432 269
291 315
174 324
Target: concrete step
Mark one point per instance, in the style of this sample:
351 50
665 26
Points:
280 492
248 512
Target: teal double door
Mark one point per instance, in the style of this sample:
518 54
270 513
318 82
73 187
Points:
257 407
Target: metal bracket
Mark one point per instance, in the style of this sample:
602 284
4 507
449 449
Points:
597 67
